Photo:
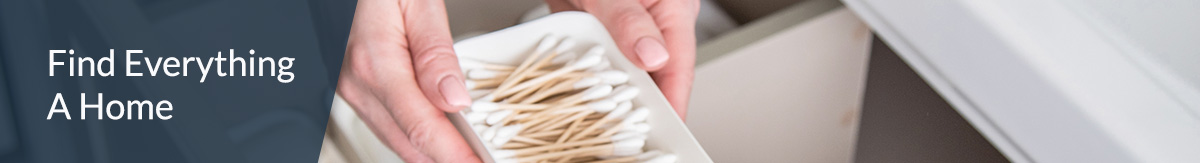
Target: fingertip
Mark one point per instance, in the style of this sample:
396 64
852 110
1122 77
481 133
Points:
652 54
454 93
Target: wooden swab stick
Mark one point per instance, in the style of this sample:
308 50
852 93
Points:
530 140
635 116
543 148
561 49
536 119
495 82
622 108
484 74
481 84
509 118
484 106
468 64
600 105
520 96
521 74
570 128
579 115
544 46
584 62
554 132
551 90
594 92
540 121
542 124
567 134
574 83
516 145
544 133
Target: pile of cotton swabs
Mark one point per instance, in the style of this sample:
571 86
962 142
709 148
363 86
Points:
558 106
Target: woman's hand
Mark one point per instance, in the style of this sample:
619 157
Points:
657 35
401 75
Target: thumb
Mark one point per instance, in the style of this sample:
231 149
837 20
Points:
633 29
432 50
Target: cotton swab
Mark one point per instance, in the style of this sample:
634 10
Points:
498 116
638 115
602 106
583 62
604 64
476 117
592 141
544 46
620 111
506 133
555 124
468 64
520 74
546 117
520 96
558 106
485 106
595 92
574 84
528 140
489 133
635 128
613 77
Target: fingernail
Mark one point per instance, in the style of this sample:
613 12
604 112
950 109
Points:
652 53
454 92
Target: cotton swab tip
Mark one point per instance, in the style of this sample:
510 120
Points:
602 105
475 117
506 160
502 154
490 132
597 91
613 76
484 106
625 93
498 116
585 62
620 110
603 65
628 147
506 133
638 115
636 128
625 106
625 135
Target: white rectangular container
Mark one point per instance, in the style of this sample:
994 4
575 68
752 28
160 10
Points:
512 45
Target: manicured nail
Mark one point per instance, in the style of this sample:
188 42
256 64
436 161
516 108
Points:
454 92
651 52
